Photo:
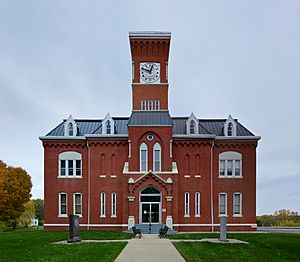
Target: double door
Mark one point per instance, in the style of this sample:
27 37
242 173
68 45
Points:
150 212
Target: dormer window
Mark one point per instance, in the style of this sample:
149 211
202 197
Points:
192 127
108 127
70 127
230 127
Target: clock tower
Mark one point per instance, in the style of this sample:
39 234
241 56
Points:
150 55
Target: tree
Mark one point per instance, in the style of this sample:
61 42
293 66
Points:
39 210
29 213
15 187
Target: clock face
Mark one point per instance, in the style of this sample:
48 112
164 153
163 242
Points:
150 72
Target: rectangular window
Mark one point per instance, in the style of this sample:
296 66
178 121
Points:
63 208
78 167
156 160
143 160
237 167
70 167
187 204
229 167
113 204
102 204
156 105
222 168
150 105
77 204
143 105
222 204
62 167
197 204
237 204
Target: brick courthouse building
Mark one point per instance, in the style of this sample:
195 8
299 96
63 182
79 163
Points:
150 167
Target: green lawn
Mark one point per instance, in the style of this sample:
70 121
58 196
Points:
35 245
261 247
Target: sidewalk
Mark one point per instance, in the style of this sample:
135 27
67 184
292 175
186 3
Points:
150 248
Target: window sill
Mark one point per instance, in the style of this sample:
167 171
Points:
62 215
113 216
69 176
223 215
187 216
102 216
237 215
197 215
77 215
230 177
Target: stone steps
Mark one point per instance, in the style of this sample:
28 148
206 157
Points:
154 229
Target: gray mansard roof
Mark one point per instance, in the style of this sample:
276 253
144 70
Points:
162 118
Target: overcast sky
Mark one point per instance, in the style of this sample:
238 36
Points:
227 57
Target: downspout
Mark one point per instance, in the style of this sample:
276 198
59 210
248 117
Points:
89 185
211 187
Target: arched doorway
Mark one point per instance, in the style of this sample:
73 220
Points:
150 206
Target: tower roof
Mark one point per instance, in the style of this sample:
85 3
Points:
150 34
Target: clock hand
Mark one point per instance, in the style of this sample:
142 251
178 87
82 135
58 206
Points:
151 69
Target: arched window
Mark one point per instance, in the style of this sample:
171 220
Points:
157 157
229 129
150 105
143 105
192 127
143 157
71 129
108 127
70 164
156 105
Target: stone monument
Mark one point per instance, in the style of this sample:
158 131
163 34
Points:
223 229
74 229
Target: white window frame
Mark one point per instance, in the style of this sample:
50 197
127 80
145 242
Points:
156 147
59 205
143 105
156 104
197 204
225 214
74 204
150 105
186 204
113 204
69 156
231 121
240 214
230 156
143 147
102 204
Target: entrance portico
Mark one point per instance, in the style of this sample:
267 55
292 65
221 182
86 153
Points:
150 206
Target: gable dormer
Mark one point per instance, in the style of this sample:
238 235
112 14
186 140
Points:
192 125
108 125
230 127
70 127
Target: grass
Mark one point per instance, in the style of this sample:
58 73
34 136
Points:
35 245
262 247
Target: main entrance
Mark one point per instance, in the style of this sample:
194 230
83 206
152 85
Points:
150 206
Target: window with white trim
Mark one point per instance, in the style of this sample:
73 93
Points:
187 204
230 164
143 157
229 129
102 204
192 127
108 127
71 129
156 104
197 204
150 105
63 204
143 105
237 204
70 164
77 201
157 157
222 204
113 204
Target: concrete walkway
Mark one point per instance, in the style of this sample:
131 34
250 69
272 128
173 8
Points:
150 248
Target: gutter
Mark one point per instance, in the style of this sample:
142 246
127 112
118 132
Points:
89 185
211 187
